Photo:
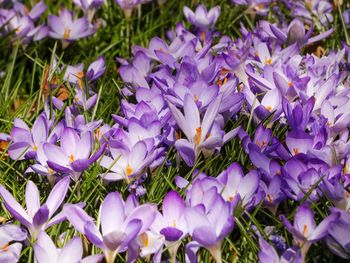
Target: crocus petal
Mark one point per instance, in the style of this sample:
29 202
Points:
186 150
210 115
57 195
171 233
77 217
32 198
112 213
93 235
173 206
41 216
72 252
14 207
322 228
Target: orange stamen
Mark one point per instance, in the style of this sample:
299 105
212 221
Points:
197 136
71 158
129 170
66 33
268 61
296 151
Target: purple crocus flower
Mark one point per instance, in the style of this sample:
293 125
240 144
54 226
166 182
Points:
37 218
89 6
202 18
338 239
74 154
268 254
208 229
237 186
68 29
121 223
304 229
128 6
25 141
125 163
196 131
46 251
10 234
167 229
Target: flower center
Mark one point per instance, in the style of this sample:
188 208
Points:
128 170
268 61
197 136
5 248
71 158
305 230
144 239
66 33
269 108
295 151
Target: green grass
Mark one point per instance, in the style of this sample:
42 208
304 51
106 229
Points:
25 71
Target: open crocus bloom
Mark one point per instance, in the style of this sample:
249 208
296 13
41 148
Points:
46 251
208 229
9 233
74 155
68 29
196 131
37 217
201 18
119 225
305 231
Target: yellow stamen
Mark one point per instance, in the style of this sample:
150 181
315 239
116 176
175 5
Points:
290 84
35 148
144 239
269 198
219 82
305 230
268 61
80 76
198 135
71 158
50 171
98 133
256 53
296 151
5 247
259 7
195 98
66 33
177 135
129 170
269 108
203 36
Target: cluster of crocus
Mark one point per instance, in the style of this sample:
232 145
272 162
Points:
181 94
20 22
